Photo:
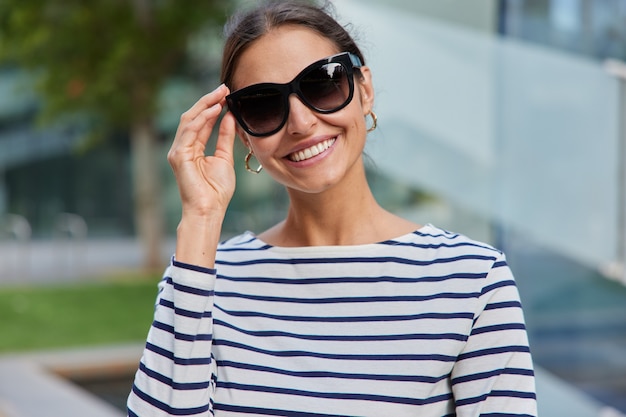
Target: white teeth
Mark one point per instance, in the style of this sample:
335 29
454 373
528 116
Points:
312 151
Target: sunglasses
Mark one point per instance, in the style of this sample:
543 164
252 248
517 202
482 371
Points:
325 86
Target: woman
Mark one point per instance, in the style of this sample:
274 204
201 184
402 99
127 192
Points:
343 308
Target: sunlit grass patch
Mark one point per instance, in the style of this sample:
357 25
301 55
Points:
80 314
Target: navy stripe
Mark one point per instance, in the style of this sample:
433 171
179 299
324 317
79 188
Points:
500 264
445 234
337 375
330 261
269 412
182 336
499 284
346 338
336 395
437 245
185 313
504 304
349 280
508 394
373 299
187 386
210 271
178 361
166 407
491 374
187 289
355 357
350 319
494 351
434 245
499 327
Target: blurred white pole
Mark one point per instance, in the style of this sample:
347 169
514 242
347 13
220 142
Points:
618 69
72 230
19 232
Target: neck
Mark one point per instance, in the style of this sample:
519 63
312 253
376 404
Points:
347 214
331 218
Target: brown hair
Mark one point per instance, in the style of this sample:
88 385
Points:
249 25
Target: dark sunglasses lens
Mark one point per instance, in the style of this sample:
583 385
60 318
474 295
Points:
326 88
262 110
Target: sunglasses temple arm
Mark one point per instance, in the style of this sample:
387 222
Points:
356 62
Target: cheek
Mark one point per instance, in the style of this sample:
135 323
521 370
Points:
349 118
263 147
358 123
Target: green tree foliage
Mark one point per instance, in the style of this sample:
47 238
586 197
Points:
108 60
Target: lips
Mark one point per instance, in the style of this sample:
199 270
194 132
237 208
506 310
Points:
314 150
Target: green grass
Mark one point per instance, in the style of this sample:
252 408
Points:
79 314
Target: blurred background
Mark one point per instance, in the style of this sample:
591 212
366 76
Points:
501 119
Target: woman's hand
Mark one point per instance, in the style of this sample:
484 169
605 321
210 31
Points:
206 183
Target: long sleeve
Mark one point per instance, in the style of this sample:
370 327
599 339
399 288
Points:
494 375
177 372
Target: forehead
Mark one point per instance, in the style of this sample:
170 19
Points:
279 55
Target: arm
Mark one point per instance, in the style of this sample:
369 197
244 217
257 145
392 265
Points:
206 183
177 373
494 375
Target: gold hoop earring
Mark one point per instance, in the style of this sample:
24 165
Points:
374 122
247 163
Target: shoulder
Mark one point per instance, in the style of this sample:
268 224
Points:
477 266
442 253
443 242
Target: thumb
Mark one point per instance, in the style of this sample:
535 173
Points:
224 147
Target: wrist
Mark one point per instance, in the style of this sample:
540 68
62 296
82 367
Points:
197 238
191 221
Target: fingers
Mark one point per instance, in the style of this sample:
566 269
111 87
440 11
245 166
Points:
216 96
202 126
226 139
197 123
203 115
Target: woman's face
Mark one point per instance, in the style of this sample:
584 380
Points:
336 140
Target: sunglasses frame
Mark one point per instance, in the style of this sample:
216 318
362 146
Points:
347 59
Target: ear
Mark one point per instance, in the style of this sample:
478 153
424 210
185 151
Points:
366 89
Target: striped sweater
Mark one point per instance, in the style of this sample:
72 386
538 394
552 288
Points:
428 324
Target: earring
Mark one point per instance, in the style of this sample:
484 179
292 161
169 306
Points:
374 122
247 163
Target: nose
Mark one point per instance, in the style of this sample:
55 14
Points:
301 119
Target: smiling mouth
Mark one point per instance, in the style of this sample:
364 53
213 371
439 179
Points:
314 150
